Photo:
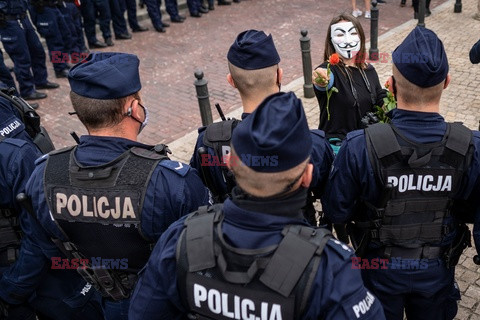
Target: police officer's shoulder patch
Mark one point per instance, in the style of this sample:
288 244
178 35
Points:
41 159
317 132
178 167
45 156
361 305
355 134
15 142
340 248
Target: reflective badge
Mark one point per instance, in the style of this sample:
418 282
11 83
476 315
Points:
219 300
115 206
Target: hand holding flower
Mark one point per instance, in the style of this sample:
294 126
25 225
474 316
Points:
322 78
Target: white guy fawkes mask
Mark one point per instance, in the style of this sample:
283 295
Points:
345 39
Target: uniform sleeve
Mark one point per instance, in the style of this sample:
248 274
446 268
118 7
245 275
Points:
475 53
351 179
19 168
175 190
472 190
339 292
155 295
20 280
321 158
195 161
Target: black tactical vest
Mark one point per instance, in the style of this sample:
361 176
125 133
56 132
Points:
10 235
218 281
217 136
420 182
99 207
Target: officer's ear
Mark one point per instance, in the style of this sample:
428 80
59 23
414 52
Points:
447 81
279 75
307 176
230 80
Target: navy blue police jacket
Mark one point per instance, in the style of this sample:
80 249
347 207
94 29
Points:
321 158
173 191
30 278
13 7
352 177
337 292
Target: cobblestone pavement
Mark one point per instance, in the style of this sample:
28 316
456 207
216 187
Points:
168 60
460 102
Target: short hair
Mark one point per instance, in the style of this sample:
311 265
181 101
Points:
264 184
99 113
413 94
251 82
330 49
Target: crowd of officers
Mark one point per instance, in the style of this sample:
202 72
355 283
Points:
113 229
65 24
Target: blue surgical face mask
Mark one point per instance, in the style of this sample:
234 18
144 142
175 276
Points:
145 121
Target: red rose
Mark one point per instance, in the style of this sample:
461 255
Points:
334 59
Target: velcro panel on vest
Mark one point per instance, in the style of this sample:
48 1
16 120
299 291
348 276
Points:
411 235
219 132
458 143
398 207
288 263
199 240
459 138
383 139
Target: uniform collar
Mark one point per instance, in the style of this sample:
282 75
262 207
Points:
94 150
254 220
400 116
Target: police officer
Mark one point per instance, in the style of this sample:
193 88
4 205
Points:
116 196
255 257
118 20
6 79
52 26
73 17
18 264
91 9
401 185
254 71
131 7
155 14
24 48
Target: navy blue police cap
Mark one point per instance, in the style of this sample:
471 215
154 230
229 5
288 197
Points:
275 137
253 50
106 75
421 58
